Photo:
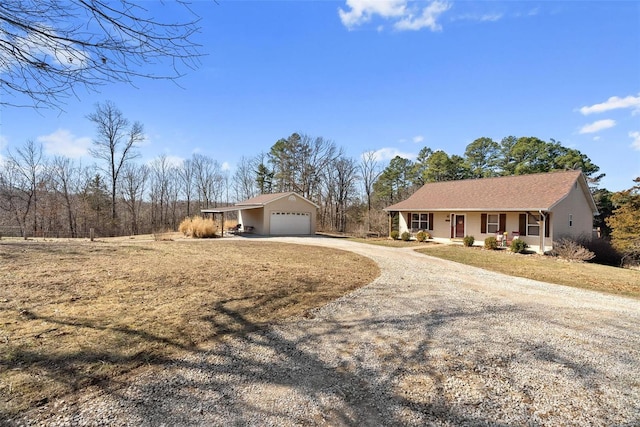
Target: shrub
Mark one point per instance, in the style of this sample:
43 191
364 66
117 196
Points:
422 236
491 243
394 234
468 241
185 227
518 246
571 251
406 236
198 227
604 251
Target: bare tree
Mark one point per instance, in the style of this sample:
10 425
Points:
65 177
49 47
186 177
115 144
27 166
244 179
132 188
345 177
370 170
209 180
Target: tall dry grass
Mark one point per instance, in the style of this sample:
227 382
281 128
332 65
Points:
198 227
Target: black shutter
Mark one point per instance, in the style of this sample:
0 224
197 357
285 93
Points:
503 223
431 221
483 223
547 225
523 225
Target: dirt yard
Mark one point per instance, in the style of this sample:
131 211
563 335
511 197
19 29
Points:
76 314
428 342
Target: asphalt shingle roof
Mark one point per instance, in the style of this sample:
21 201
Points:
509 193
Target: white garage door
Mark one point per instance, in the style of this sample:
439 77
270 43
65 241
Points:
290 223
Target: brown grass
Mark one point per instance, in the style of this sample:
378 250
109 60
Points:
595 277
75 314
200 228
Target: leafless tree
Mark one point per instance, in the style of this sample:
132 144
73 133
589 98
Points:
344 179
208 178
66 179
115 144
27 167
132 188
49 48
186 177
370 170
244 179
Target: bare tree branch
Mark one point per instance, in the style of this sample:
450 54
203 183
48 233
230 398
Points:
49 48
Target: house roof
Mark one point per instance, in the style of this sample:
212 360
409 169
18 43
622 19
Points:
537 192
257 202
265 199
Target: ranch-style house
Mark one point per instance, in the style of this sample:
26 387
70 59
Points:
537 208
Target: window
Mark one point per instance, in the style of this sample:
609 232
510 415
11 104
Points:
570 220
533 226
419 221
493 225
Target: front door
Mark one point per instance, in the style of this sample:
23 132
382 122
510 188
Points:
459 226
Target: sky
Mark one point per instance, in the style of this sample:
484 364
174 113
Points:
389 76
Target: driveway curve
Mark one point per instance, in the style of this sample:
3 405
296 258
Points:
429 342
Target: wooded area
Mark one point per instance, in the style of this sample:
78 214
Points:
119 195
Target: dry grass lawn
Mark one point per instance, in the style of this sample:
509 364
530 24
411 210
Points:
82 313
594 277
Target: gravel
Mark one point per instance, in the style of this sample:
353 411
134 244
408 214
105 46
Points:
430 342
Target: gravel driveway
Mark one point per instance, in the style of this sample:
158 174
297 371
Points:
430 342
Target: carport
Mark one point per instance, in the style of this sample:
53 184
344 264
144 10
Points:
275 214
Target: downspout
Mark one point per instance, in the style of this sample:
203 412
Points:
543 230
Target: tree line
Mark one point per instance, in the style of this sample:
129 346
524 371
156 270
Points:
118 195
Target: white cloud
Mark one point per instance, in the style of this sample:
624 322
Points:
597 126
489 17
614 103
406 18
63 142
362 11
428 18
636 140
175 161
418 139
389 153
226 166
3 143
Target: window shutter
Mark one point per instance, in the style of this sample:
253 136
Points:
483 223
431 221
523 225
503 223
547 225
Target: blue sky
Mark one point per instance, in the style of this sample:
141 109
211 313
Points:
391 76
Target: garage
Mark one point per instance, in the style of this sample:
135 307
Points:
275 214
290 223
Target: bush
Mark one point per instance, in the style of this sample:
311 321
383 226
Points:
468 241
394 234
422 236
491 243
604 252
198 227
406 236
518 246
571 251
